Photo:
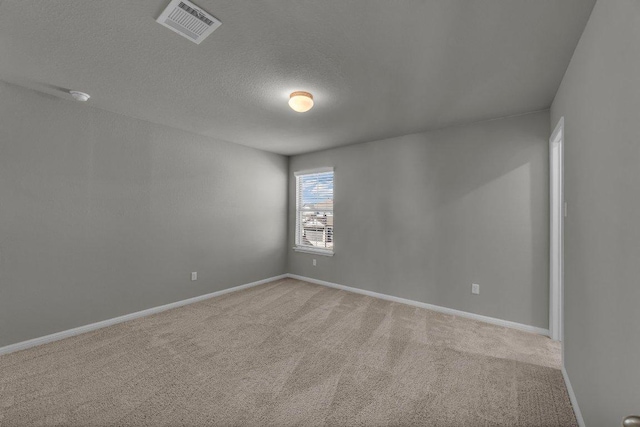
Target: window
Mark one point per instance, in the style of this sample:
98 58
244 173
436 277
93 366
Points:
314 211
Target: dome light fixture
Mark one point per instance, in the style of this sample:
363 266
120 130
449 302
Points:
79 96
300 101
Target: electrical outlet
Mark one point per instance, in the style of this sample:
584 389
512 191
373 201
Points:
314 262
194 276
475 288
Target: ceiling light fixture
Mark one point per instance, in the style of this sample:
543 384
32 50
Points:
300 101
79 96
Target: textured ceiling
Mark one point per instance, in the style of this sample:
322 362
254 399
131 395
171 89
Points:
377 68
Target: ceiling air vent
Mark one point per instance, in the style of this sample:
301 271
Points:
188 20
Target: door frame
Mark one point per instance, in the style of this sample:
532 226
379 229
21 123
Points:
558 211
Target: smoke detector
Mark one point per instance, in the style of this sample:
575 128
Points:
79 96
188 20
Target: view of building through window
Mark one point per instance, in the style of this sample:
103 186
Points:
315 210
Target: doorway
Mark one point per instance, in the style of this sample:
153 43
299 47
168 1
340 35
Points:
558 213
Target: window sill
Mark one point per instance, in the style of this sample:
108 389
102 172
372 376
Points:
315 251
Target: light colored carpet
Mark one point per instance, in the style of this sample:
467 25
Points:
289 353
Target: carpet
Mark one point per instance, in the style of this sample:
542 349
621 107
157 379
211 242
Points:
289 353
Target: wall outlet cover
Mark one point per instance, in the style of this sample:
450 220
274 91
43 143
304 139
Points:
194 276
475 288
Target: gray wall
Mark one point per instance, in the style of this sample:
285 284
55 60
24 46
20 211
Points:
103 215
425 215
600 101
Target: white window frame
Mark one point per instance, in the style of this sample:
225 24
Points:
306 249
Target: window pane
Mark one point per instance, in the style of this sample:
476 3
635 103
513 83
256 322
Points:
315 210
317 190
316 229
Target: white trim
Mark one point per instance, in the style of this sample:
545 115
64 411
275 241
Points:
109 322
310 171
313 251
445 310
93 326
556 230
559 128
572 397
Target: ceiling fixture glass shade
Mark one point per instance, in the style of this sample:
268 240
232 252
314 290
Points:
79 96
300 101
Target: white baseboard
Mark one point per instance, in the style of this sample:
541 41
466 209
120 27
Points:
98 325
437 308
572 397
93 326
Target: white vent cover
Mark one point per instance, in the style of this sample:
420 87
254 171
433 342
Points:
188 20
